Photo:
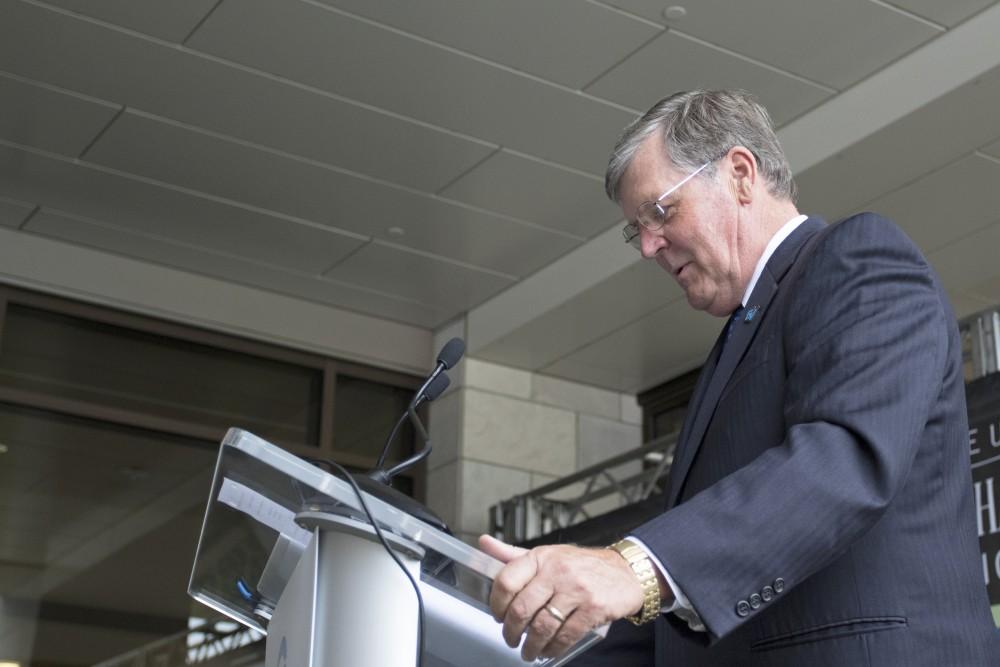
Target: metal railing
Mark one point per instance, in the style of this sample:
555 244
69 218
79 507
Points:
980 343
573 498
216 642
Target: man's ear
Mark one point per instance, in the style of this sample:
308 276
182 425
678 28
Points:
744 172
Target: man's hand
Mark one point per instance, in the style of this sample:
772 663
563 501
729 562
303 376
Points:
589 587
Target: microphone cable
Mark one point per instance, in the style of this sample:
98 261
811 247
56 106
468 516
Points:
381 538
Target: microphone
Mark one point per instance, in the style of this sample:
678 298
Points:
447 358
433 386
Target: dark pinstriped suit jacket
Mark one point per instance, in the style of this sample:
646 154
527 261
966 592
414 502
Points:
820 503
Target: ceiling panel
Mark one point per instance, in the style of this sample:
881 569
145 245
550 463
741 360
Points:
54 121
13 212
177 155
223 98
233 269
171 21
376 66
965 304
447 285
993 150
929 138
543 193
675 62
970 263
833 43
949 13
161 212
527 35
946 205
661 345
596 312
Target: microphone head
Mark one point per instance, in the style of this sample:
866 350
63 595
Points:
437 386
451 352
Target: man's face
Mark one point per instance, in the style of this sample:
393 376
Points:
698 243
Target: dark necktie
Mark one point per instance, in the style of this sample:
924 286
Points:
730 326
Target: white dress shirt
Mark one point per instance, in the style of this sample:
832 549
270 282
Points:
681 605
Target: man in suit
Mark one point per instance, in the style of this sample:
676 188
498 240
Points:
819 507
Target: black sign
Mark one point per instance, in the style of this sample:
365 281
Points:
983 396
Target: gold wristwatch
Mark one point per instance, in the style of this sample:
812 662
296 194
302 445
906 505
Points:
645 571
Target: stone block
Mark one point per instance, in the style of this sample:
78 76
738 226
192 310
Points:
445 428
497 378
631 412
577 397
442 492
483 485
520 434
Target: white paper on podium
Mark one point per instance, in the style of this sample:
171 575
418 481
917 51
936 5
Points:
260 507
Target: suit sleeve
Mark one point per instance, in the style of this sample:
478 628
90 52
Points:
865 348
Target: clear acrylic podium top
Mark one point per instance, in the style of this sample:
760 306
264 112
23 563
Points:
256 493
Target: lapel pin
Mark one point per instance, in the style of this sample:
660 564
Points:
751 314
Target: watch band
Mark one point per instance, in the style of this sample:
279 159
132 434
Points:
645 572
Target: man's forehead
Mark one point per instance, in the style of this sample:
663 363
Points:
649 170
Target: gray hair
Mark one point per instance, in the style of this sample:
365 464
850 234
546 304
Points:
701 126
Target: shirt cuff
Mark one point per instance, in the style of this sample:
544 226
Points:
681 606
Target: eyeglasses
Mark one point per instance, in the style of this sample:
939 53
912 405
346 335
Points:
651 214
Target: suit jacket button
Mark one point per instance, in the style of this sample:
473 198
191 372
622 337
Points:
742 608
779 585
754 601
767 594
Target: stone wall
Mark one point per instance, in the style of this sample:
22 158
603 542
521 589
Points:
500 431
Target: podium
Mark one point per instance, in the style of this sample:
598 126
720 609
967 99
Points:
287 549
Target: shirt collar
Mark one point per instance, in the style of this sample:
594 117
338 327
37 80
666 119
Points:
772 245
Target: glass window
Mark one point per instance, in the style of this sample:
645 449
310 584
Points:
364 414
125 369
98 528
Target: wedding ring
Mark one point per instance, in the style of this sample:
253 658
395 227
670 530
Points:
556 614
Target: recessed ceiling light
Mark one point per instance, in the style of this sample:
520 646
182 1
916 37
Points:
3 450
674 13
8 663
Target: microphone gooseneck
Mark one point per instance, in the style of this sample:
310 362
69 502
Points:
433 386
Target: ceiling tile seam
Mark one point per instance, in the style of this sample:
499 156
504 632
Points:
28 218
361 246
99 22
201 22
101 132
626 13
208 251
755 61
597 340
35 83
243 68
17 202
183 190
466 54
882 195
590 82
910 15
446 260
555 165
468 170
959 239
986 156
805 112
345 172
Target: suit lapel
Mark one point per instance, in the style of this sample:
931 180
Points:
702 407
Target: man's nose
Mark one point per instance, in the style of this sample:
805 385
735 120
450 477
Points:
651 242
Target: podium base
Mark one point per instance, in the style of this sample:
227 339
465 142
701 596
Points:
347 603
